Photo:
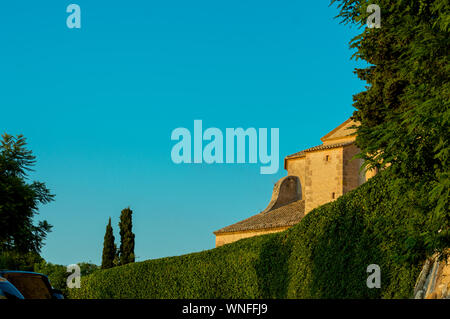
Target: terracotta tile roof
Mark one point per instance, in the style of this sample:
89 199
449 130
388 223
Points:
283 216
318 148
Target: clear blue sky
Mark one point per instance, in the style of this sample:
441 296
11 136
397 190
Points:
98 106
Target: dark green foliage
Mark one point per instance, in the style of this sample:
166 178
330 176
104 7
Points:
126 250
404 112
325 256
109 247
13 260
366 226
57 274
19 200
87 268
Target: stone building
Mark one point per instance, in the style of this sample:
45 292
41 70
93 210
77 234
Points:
316 176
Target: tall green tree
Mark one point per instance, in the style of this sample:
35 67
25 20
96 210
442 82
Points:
109 247
405 109
19 199
126 237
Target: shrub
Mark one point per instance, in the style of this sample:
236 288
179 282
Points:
13 260
324 256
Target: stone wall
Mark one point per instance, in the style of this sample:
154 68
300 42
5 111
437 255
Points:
352 177
324 177
296 167
285 191
226 238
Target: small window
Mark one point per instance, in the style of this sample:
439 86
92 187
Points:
327 158
333 195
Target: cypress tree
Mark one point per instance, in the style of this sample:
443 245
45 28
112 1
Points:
109 247
126 237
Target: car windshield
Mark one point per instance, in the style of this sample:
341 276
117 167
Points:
32 286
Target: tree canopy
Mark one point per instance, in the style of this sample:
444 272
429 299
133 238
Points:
19 200
109 248
404 111
126 237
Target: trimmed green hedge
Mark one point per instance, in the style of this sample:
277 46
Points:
324 256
